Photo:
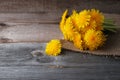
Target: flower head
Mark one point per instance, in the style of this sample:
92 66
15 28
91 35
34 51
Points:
92 25
63 20
78 41
53 48
74 19
83 19
96 16
93 39
68 30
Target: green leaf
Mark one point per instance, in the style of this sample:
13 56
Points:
109 20
108 24
112 30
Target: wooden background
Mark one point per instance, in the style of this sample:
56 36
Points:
36 21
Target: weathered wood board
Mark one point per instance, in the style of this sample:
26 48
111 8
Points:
51 6
17 63
29 32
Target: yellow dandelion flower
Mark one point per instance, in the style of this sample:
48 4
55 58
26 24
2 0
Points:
68 30
93 39
83 19
78 41
63 20
95 26
74 17
92 25
96 16
99 28
53 48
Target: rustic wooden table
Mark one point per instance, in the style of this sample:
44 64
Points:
26 24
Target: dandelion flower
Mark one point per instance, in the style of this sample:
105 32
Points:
53 48
78 41
93 39
68 30
63 20
83 19
97 28
92 25
74 19
96 16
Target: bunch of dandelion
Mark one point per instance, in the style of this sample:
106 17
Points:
85 28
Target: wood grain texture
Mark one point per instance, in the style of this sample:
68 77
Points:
51 6
17 63
46 18
42 18
30 32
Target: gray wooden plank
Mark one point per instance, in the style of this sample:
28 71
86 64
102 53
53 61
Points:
20 54
43 18
17 63
30 18
67 73
109 6
106 6
29 32
21 5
